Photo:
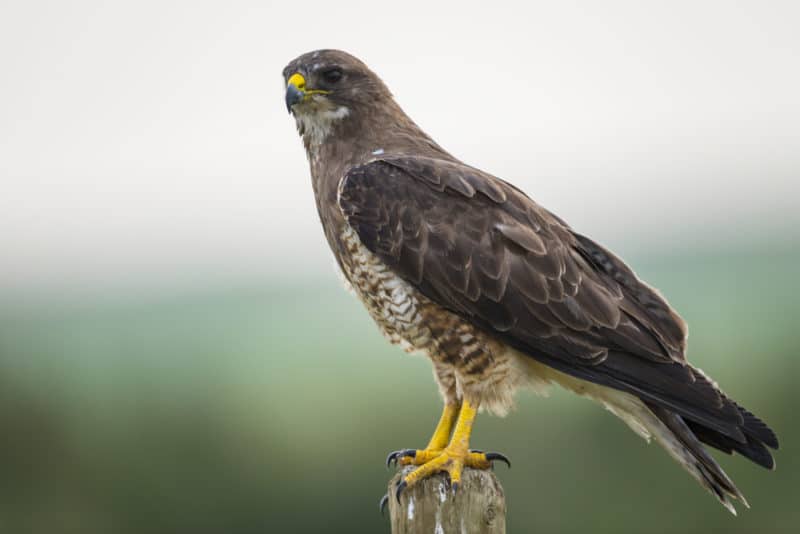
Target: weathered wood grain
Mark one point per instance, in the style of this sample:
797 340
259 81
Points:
479 506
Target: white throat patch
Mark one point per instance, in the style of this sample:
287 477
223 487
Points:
317 125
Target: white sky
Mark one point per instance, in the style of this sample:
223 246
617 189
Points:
145 142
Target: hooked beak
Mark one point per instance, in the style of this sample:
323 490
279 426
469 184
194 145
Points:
297 92
293 96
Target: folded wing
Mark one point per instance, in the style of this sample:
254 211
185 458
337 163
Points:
479 247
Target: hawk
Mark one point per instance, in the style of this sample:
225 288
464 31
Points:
496 290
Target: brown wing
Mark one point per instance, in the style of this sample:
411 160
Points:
482 249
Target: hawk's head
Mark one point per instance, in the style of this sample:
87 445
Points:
326 87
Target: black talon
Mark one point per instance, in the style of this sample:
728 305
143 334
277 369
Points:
491 456
455 486
383 503
399 490
402 453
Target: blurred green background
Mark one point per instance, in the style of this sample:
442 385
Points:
271 409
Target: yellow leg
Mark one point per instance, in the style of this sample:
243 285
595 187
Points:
442 433
438 441
454 456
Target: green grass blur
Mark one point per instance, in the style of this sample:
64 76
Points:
271 409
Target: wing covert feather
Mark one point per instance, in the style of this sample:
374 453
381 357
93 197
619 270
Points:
479 247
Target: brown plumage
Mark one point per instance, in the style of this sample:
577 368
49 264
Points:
495 289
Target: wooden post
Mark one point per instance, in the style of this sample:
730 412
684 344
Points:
429 507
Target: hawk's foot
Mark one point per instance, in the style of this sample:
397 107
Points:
450 459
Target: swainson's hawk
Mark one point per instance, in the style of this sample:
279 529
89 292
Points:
496 290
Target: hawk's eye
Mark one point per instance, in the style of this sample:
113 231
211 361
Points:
332 75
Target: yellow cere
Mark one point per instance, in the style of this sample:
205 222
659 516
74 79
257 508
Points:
299 81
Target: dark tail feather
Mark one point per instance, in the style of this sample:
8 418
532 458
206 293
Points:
758 436
753 449
756 428
685 446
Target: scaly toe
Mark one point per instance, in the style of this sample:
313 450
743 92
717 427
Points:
451 462
420 457
480 460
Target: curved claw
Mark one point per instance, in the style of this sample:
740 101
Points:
396 455
383 503
400 487
491 456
